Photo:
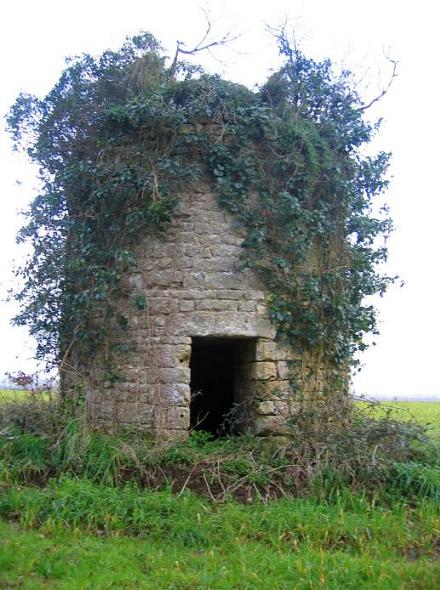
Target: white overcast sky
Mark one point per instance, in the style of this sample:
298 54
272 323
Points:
36 36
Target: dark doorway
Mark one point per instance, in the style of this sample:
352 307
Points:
216 367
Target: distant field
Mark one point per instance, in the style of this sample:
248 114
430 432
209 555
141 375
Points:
6 394
17 394
426 413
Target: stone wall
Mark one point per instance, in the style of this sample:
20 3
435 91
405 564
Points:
190 280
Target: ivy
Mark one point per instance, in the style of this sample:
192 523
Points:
120 137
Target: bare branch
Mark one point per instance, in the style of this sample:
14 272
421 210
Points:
203 45
286 35
384 90
288 44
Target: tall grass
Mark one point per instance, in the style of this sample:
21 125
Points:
375 453
356 508
378 461
350 523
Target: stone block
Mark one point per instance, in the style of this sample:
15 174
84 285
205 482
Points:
216 305
185 225
178 394
265 370
216 264
231 240
177 418
230 323
261 327
182 294
191 251
209 227
191 239
266 408
272 408
213 280
229 294
135 413
159 263
96 412
129 392
172 338
151 374
162 250
228 251
165 278
246 306
197 323
186 305
175 375
169 356
266 350
273 350
208 215
283 370
273 389
162 305
271 426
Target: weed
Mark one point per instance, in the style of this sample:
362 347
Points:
415 480
38 441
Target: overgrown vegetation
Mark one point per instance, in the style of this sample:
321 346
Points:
119 138
359 508
426 413
378 455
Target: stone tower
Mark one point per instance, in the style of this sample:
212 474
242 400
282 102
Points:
200 346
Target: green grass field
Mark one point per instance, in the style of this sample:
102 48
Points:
11 394
77 535
16 395
426 413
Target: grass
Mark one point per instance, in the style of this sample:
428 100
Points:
426 413
21 395
380 456
12 394
79 535
92 530
37 561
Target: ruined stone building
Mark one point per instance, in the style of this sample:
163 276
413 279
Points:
202 345
157 315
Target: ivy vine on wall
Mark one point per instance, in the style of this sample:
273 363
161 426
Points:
120 137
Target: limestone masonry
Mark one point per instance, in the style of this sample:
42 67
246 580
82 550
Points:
196 304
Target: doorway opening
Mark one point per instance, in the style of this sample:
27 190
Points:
220 382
